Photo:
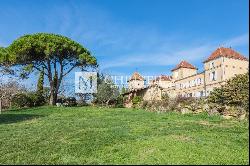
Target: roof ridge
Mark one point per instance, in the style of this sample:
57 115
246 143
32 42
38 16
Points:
136 76
184 64
225 52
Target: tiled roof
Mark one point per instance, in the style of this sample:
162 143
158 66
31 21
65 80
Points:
136 76
184 64
225 52
163 78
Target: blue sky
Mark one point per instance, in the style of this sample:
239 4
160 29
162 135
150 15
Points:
150 36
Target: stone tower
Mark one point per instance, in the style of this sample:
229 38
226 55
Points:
221 65
183 69
136 82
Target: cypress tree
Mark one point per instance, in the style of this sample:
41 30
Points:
39 98
40 83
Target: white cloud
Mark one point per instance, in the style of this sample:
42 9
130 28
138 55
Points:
237 41
172 55
118 44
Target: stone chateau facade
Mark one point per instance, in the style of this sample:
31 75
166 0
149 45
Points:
221 65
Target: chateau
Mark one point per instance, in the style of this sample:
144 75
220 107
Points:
221 65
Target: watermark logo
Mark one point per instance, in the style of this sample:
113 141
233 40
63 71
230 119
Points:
85 82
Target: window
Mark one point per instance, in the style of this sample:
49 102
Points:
195 82
192 83
201 93
199 81
213 76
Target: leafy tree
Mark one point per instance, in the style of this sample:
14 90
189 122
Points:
123 90
5 58
235 92
5 61
217 96
56 54
106 91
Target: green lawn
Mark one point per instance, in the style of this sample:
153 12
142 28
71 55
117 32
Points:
87 135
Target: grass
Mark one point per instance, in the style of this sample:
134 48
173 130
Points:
88 135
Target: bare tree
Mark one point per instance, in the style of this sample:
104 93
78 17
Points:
7 90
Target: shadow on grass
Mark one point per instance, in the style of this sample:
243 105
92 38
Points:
14 118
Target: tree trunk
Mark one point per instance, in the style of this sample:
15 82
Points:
52 98
107 102
53 94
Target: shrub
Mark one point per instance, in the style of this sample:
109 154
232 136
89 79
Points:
234 93
173 104
119 102
29 99
136 100
165 97
36 99
21 100
70 102
61 100
157 106
7 90
82 104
